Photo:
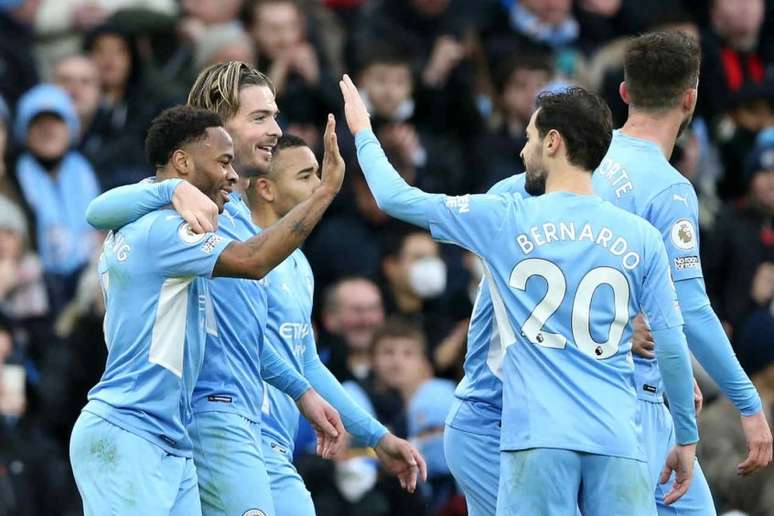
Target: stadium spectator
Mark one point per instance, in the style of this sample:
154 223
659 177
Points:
437 35
352 311
517 81
34 477
61 24
415 277
18 67
77 74
56 184
22 290
221 43
749 111
427 400
424 158
305 88
740 256
723 441
733 52
127 105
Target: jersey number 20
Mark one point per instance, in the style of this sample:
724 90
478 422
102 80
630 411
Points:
581 307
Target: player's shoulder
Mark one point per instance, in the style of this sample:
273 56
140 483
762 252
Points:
510 185
628 221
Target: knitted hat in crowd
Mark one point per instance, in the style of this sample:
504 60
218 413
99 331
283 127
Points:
45 98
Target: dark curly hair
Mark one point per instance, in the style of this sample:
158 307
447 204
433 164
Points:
174 128
584 121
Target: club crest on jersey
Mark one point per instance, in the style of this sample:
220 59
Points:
684 234
187 235
254 512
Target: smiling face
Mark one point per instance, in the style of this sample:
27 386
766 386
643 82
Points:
294 176
254 127
212 159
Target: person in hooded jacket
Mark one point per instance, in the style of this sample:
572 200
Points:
56 184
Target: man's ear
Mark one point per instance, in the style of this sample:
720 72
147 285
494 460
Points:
623 91
552 142
182 162
264 189
689 99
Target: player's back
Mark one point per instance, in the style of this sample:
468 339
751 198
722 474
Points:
570 274
636 176
157 311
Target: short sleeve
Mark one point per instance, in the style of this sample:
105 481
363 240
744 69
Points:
181 252
470 221
659 297
675 213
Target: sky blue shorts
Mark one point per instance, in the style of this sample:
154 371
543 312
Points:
229 460
120 473
291 497
556 482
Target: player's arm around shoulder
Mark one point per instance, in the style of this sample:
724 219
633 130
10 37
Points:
177 250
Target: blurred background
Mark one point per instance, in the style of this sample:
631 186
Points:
451 85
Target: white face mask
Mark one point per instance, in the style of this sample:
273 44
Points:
427 277
355 477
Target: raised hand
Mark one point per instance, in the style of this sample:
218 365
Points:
354 107
196 208
401 459
680 460
332 174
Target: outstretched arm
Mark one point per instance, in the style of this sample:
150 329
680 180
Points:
255 257
391 192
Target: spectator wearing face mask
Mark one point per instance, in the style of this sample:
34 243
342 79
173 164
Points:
56 184
415 277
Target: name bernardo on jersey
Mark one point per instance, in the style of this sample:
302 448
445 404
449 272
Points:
538 236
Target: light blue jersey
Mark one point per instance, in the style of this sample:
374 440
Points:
231 380
636 176
562 264
153 274
480 391
290 288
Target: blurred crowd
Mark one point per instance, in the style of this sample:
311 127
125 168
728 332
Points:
450 85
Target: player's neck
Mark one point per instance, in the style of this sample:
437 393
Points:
659 128
569 179
263 216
